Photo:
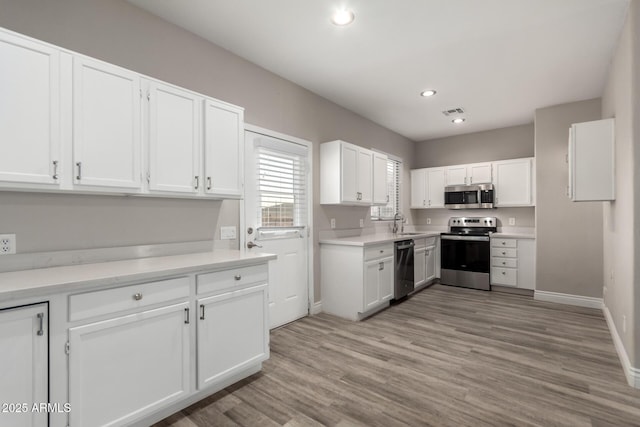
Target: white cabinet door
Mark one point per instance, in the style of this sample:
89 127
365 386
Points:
106 126
479 173
29 111
233 333
419 266
224 149
513 182
125 368
380 184
349 172
435 187
592 161
24 364
371 287
365 172
418 188
456 175
175 140
386 279
430 263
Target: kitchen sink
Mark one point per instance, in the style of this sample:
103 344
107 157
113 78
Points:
408 234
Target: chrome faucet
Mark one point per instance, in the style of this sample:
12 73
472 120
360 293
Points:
396 217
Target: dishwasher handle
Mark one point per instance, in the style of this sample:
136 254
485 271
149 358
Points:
406 246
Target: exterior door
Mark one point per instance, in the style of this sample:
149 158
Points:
277 218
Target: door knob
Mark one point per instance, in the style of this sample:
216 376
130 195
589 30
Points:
253 245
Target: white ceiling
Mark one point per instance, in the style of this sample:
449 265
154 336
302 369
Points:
498 59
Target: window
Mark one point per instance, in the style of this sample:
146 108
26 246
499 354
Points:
394 172
282 193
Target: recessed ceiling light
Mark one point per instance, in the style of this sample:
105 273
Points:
342 17
429 92
458 120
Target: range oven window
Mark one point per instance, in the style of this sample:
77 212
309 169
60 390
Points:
466 255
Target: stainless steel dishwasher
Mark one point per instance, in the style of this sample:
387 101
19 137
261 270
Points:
403 279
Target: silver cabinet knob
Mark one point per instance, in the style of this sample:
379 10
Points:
504 253
504 272
237 277
137 296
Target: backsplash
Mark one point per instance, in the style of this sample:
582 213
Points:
524 217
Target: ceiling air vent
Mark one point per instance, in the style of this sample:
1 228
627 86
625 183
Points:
452 111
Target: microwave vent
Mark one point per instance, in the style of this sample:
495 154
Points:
452 111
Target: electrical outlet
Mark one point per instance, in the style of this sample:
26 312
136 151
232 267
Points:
7 244
428 221
512 221
361 222
228 232
333 223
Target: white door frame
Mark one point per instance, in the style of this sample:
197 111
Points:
310 241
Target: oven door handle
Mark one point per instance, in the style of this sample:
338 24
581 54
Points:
469 238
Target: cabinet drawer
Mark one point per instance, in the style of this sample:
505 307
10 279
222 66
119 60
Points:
504 243
431 241
504 252
379 251
504 276
225 279
91 304
504 262
420 243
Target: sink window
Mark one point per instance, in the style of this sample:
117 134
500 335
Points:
394 172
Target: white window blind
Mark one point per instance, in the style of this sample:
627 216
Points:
282 192
394 171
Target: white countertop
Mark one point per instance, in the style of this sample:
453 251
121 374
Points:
43 281
373 239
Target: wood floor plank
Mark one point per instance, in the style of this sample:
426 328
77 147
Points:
444 357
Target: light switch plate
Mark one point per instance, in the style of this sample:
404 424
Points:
333 223
228 232
361 222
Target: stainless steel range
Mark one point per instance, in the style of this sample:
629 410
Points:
466 252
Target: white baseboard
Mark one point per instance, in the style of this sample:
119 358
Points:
316 308
568 299
632 374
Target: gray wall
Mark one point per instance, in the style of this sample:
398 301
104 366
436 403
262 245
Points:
524 217
498 144
569 235
621 261
120 33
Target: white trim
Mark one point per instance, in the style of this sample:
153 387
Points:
316 308
632 374
568 299
310 237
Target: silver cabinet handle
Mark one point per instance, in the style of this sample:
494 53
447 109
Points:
381 251
186 316
237 277
424 203
79 176
137 296
55 169
426 253
201 311
381 266
504 243
197 184
209 184
253 245
387 198
504 263
504 272
504 253
41 321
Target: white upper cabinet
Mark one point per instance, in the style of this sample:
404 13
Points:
223 149
380 184
427 188
591 161
513 182
175 139
29 112
345 174
476 173
106 126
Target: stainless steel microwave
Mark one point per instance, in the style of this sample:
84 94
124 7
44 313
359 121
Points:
478 196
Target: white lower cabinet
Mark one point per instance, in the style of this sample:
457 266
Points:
356 281
513 263
233 333
24 361
425 259
124 368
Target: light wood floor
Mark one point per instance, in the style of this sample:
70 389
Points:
445 357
